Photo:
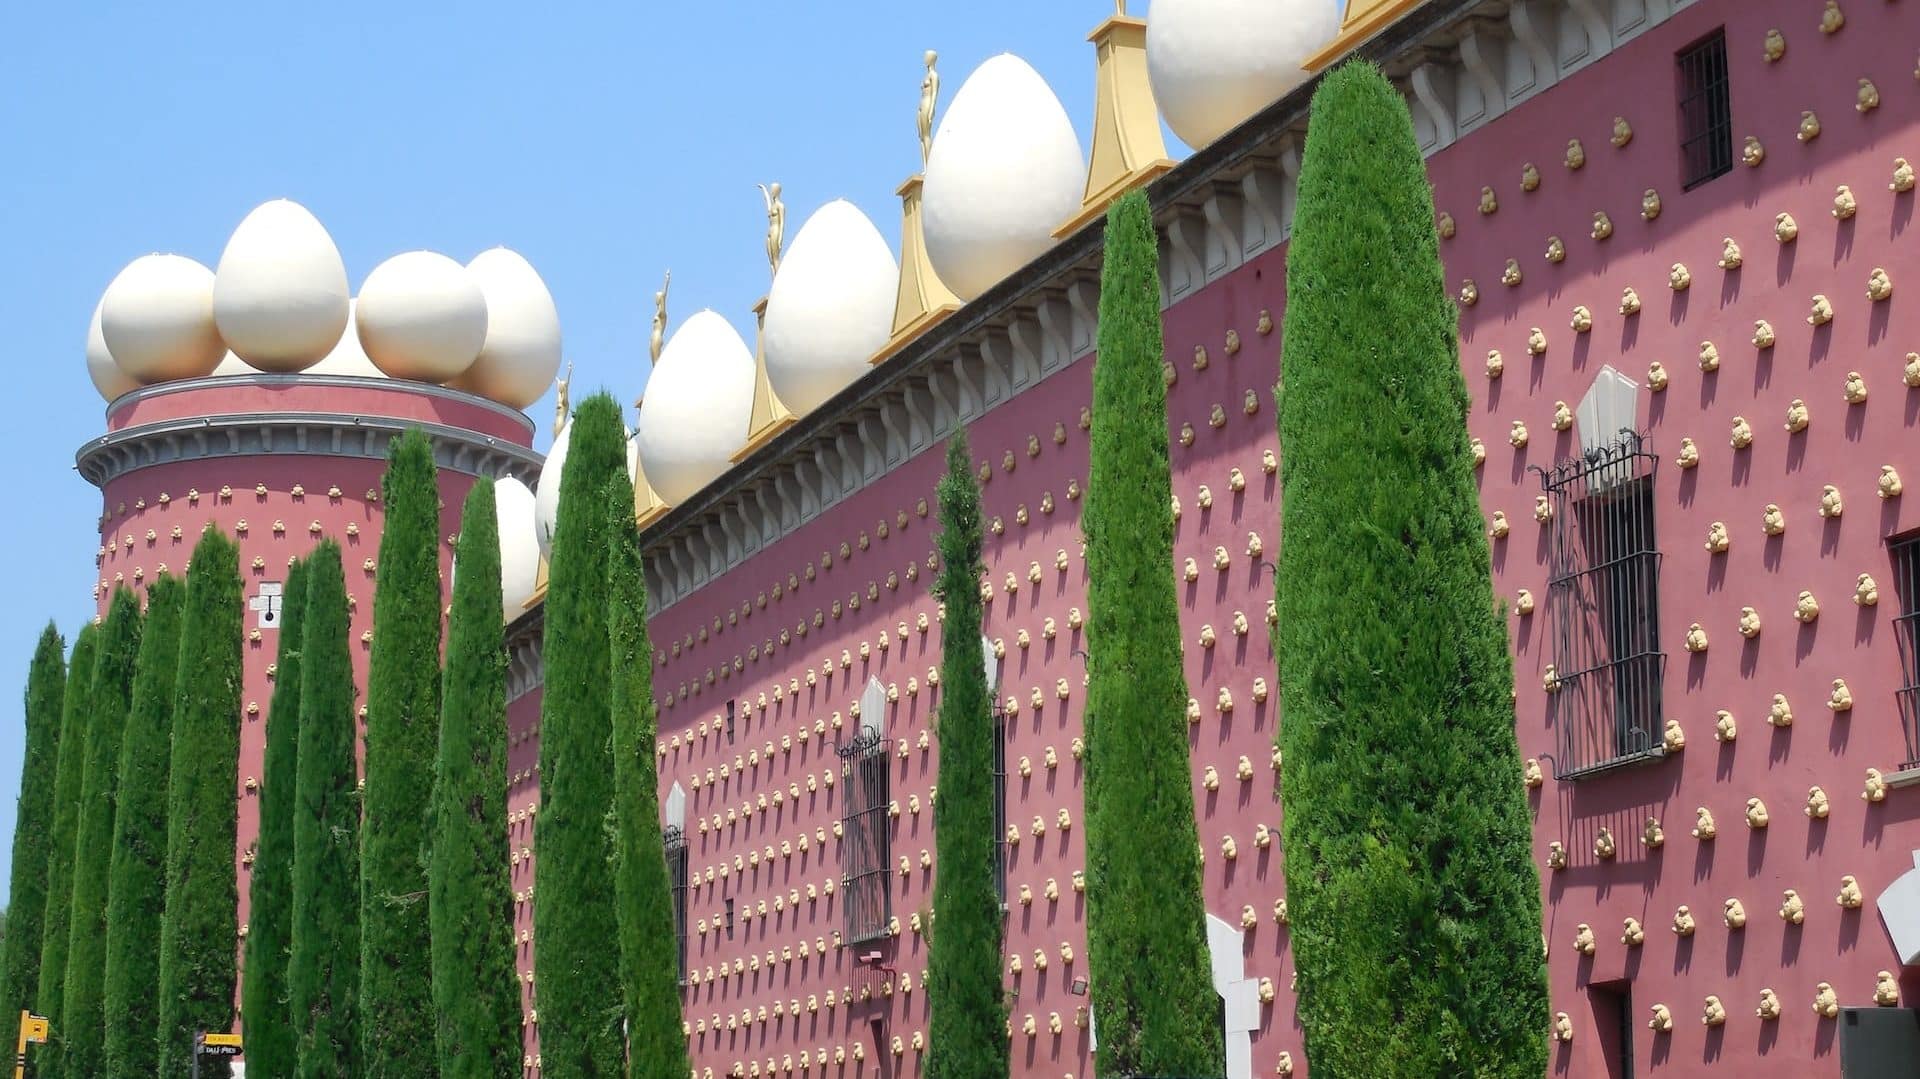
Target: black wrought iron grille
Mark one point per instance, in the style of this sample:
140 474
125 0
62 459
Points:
1706 111
1000 805
866 844
676 844
1603 599
1906 576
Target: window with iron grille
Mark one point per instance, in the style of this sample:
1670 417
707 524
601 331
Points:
1706 111
1000 806
676 843
1906 576
1602 597
866 845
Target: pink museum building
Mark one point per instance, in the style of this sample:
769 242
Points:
1676 231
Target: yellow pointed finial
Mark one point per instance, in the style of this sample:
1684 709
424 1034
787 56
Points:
769 416
1363 19
1128 149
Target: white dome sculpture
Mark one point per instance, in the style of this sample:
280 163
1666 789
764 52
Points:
280 295
522 350
546 495
698 404
347 357
1005 171
513 507
830 307
421 316
1213 63
107 376
156 319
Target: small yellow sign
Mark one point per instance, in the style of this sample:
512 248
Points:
221 1039
35 1028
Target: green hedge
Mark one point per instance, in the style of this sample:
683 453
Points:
475 995
33 826
1414 899
138 891
576 955
271 1038
76 734
200 929
323 967
403 722
83 1016
967 1036
1146 923
649 939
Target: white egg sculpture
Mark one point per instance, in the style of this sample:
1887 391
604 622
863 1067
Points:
1213 63
347 357
156 319
514 507
522 349
1005 171
280 295
107 376
830 307
698 404
546 494
421 316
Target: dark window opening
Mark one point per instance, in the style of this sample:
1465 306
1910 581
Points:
729 722
1000 851
1602 595
1613 1027
676 843
729 917
866 843
1706 111
1906 577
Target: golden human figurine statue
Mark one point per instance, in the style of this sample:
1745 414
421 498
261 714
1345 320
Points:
659 331
560 401
929 100
776 223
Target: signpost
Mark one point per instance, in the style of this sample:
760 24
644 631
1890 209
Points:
33 1028
214 1046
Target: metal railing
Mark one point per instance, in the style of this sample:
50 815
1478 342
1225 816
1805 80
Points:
866 842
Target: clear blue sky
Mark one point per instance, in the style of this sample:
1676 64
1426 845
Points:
605 142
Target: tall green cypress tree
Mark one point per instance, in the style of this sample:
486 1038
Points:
76 734
82 1015
1146 921
200 926
271 1039
1415 903
403 722
475 995
578 973
33 826
138 887
967 1031
649 942
323 968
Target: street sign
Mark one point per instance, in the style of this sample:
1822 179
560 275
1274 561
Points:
214 1046
33 1030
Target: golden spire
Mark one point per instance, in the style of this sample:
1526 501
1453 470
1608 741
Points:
1128 150
770 416
922 299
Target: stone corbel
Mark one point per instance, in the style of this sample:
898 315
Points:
1054 317
1596 16
1263 195
1536 31
1223 209
892 409
1083 295
1186 246
1483 54
1433 90
919 427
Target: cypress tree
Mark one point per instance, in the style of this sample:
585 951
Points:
967 1032
323 968
403 721
475 994
578 974
1415 903
1146 923
200 926
33 826
76 732
138 887
263 993
643 891
82 1015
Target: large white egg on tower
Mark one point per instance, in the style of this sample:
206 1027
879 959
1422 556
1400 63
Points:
698 404
280 294
156 319
1213 63
1004 172
107 376
513 507
421 316
522 350
830 307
